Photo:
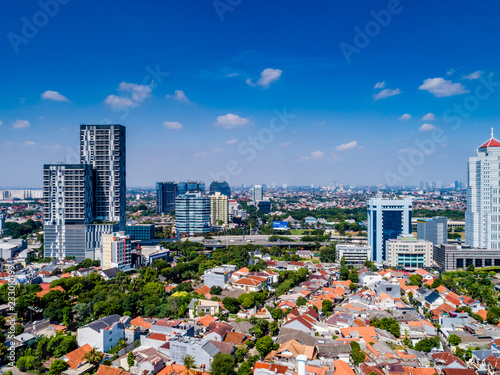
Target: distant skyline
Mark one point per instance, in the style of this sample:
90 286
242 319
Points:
299 92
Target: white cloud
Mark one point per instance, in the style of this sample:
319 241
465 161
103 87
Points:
267 77
286 144
405 117
441 87
386 93
231 121
405 150
132 95
1 123
450 72
21 124
429 117
179 96
54 95
347 146
379 85
172 125
474 75
317 154
427 128
217 150
231 141
29 143
203 154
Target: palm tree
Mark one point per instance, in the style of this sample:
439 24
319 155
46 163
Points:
189 363
94 356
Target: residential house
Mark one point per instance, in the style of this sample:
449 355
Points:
104 333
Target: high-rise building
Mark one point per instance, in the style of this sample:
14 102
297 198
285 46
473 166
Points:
219 209
387 219
482 218
434 230
116 251
257 193
409 253
192 214
190 187
103 148
221 187
67 209
165 197
2 223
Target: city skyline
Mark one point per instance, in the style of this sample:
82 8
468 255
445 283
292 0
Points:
325 101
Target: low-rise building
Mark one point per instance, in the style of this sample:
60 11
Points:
409 253
104 333
353 254
453 257
203 351
218 276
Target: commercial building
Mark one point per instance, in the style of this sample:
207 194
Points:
387 219
482 218
10 247
257 193
453 257
190 187
434 230
219 210
165 197
218 276
264 206
2 223
409 253
220 187
353 254
141 232
116 251
67 209
192 214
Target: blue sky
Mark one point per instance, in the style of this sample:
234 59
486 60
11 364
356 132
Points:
271 71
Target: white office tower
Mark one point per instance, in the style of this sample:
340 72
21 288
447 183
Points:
116 251
387 219
482 218
67 209
257 193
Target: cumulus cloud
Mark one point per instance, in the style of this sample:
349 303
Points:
54 95
231 141
379 85
429 117
347 146
285 144
267 77
386 93
179 96
474 75
231 121
441 87
29 143
172 125
405 117
132 95
450 72
21 124
427 128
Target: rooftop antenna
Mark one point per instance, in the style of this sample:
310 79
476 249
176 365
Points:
492 132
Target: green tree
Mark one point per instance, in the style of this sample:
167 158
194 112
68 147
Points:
301 301
130 359
356 354
231 304
223 364
246 300
94 356
57 367
353 275
189 363
454 340
327 254
277 313
415 280
264 345
326 305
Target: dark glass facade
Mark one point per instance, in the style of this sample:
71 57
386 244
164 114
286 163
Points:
165 197
221 187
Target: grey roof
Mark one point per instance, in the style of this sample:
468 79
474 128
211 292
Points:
224 347
329 350
210 349
432 297
111 272
423 291
287 334
103 323
483 354
242 327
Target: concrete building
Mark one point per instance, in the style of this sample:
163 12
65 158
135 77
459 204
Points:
434 230
387 219
203 351
482 218
192 214
141 232
219 209
116 251
353 254
10 247
2 223
165 197
199 307
257 193
67 209
393 289
409 253
218 276
220 187
453 257
104 333
150 253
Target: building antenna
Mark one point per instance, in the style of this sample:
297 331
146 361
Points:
492 132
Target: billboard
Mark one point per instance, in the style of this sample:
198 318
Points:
280 225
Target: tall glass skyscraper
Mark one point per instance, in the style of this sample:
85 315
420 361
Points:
257 193
482 218
192 214
221 187
387 219
165 197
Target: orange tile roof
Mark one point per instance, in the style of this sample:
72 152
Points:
453 300
271 367
139 322
349 306
482 314
415 324
419 370
421 272
175 369
362 331
243 270
235 338
429 282
441 289
359 323
42 293
384 295
75 358
205 320
108 370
